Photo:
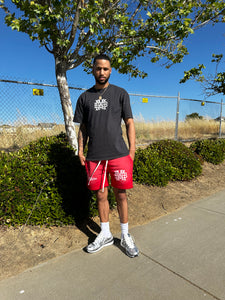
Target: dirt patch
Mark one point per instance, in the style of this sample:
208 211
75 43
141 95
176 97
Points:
28 246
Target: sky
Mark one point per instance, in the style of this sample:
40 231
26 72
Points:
24 60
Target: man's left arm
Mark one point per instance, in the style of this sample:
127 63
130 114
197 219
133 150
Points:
130 129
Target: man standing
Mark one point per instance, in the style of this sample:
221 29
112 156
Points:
100 111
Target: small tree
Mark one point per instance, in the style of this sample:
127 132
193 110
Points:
74 31
193 116
213 84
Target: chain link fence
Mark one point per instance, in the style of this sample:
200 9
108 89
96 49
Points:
32 110
173 117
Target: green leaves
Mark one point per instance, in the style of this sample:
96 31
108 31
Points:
193 116
170 160
44 184
217 58
124 29
193 73
163 161
213 84
212 151
150 169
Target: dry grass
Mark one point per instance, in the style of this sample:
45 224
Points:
146 132
193 129
23 135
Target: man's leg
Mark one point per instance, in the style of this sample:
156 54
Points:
122 206
121 171
127 241
103 205
103 210
105 237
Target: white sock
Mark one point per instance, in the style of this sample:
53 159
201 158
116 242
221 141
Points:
124 228
105 229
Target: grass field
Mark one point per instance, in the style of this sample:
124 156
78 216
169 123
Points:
146 132
23 135
191 130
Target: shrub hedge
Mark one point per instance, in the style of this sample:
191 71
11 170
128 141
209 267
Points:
151 169
163 161
212 151
45 184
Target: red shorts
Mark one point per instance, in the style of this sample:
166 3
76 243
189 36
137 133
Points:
120 170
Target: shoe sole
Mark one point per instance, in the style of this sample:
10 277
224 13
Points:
127 253
105 245
132 256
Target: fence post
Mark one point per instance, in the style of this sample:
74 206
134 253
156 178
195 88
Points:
221 113
177 116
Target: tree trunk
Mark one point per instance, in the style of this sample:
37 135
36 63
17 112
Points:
66 105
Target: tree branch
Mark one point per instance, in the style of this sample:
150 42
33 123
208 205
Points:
50 51
80 43
135 12
74 25
207 21
79 61
112 7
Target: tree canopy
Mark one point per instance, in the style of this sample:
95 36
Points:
213 84
74 31
193 116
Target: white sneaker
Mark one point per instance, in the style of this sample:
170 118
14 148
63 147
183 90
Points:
100 242
128 244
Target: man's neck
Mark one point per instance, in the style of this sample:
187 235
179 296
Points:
101 86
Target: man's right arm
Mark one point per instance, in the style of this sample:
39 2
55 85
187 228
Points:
82 140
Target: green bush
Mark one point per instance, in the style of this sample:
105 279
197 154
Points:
45 184
212 151
186 165
151 169
163 161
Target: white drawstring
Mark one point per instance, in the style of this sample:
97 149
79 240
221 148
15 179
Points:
103 183
106 164
94 172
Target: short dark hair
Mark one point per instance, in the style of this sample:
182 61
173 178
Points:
101 56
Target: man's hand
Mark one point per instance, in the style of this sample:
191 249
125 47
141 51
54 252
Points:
82 139
82 159
132 154
130 136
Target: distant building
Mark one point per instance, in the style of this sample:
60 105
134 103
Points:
7 128
46 126
218 119
27 127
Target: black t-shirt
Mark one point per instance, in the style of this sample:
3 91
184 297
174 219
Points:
102 117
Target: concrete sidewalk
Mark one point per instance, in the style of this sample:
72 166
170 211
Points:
182 258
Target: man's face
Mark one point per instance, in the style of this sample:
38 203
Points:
101 71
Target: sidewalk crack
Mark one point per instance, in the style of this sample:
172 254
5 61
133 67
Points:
180 276
210 210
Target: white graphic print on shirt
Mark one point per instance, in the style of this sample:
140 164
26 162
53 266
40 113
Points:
120 175
100 104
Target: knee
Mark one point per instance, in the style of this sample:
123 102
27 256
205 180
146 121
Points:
121 196
101 196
